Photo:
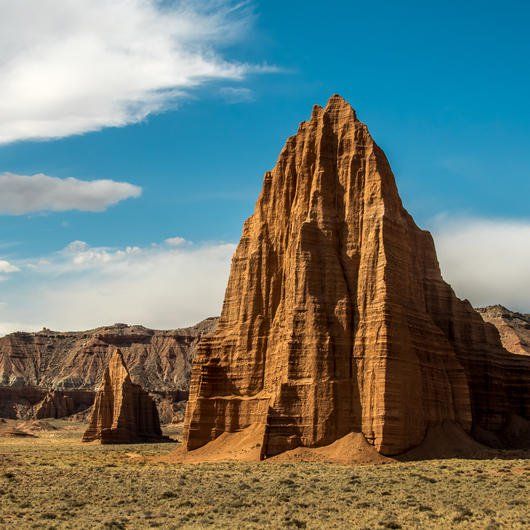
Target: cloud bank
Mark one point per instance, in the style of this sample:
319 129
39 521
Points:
164 286
486 260
177 283
82 65
22 194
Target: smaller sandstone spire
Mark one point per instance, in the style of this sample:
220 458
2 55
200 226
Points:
55 405
123 411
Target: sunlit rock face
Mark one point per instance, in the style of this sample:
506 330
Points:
336 318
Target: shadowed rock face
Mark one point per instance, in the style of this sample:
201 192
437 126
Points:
336 318
55 404
123 412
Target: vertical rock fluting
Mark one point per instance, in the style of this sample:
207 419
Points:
336 318
123 412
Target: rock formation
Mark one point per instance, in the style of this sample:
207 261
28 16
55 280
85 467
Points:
55 404
32 364
336 319
513 327
123 412
26 402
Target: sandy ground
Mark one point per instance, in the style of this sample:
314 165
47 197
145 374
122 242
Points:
52 480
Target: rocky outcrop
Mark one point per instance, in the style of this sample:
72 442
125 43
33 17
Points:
513 327
336 318
158 360
32 364
33 402
123 412
55 404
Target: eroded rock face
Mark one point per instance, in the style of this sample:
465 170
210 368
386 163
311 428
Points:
28 402
32 364
336 318
158 359
56 404
513 327
123 412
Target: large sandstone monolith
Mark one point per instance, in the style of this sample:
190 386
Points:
336 318
123 412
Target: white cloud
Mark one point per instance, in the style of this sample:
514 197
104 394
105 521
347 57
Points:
175 241
486 260
80 287
23 194
6 267
72 66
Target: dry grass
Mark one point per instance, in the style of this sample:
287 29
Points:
54 481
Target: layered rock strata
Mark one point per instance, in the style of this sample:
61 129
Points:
123 412
336 318
32 364
34 402
158 359
513 327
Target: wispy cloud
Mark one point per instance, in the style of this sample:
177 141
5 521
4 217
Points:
82 65
6 267
486 260
165 285
22 194
237 94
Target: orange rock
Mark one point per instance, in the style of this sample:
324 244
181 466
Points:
336 319
123 412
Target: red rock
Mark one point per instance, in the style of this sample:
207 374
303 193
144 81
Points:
31 364
158 359
336 318
123 412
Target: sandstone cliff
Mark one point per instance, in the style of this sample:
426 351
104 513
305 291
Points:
336 318
513 327
123 412
32 364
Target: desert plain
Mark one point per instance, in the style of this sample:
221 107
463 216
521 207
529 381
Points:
53 480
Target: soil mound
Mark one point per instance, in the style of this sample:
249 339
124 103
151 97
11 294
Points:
36 426
243 446
350 449
447 440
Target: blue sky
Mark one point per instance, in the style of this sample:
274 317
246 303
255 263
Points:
443 88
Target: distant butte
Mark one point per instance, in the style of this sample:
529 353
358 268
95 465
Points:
336 320
514 328
55 374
